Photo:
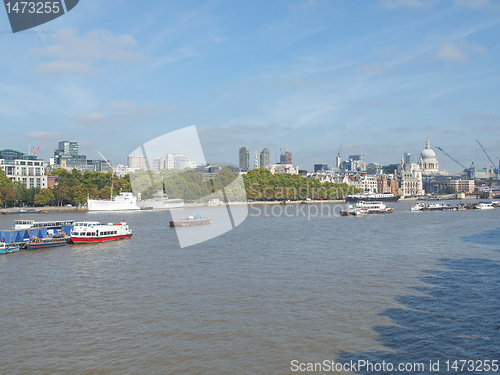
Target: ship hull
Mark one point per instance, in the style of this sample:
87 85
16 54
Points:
100 239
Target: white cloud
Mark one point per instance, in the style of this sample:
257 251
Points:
120 112
458 52
65 67
393 4
475 4
77 54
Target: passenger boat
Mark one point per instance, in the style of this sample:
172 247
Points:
354 211
374 207
49 224
122 202
93 231
43 243
432 207
190 221
6 248
368 197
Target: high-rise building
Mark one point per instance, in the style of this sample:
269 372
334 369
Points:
286 158
408 158
320 167
264 158
244 158
66 156
139 162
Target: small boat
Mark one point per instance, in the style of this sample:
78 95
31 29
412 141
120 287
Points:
190 221
432 207
374 207
43 243
484 206
354 211
6 248
22 211
93 231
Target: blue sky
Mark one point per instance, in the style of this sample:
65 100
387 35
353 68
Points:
378 77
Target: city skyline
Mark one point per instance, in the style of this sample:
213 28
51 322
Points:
378 77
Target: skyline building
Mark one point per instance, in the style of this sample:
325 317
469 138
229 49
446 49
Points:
173 161
286 158
265 156
244 158
138 162
66 156
19 166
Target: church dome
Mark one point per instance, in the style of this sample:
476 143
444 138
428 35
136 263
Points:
427 154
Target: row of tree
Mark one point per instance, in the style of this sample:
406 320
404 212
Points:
258 184
73 188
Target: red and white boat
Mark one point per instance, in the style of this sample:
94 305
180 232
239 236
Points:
93 231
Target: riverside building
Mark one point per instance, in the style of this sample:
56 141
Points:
19 166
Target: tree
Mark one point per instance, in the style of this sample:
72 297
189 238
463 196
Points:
79 194
44 197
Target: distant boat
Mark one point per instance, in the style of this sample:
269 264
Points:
22 211
43 243
93 231
160 201
484 206
368 197
122 202
6 248
190 221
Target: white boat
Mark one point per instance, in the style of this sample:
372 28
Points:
49 224
93 231
160 201
369 196
431 207
122 202
374 207
354 211
484 206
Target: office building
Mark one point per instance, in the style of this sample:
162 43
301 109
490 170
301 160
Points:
19 166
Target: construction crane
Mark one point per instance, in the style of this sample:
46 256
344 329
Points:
470 171
287 159
38 148
112 173
496 170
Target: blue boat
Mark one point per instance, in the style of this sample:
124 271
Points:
43 243
6 248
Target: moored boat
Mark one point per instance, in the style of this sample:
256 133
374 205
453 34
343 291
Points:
6 248
484 206
190 221
43 243
374 207
369 197
93 231
122 202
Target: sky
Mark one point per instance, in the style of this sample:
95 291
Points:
377 77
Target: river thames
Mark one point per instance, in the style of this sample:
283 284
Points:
269 297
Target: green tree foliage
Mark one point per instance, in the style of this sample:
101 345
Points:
261 184
44 197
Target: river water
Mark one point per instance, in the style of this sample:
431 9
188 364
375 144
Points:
402 287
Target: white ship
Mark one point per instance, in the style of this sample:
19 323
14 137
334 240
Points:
160 201
122 202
